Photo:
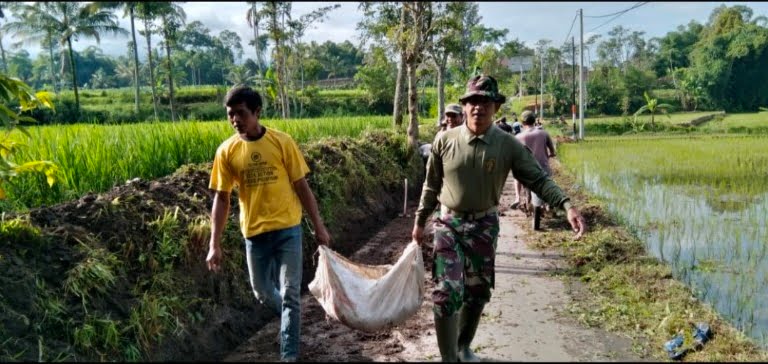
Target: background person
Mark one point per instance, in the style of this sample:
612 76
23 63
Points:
453 118
541 146
466 172
502 124
269 170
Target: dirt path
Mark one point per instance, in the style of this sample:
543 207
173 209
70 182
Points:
523 321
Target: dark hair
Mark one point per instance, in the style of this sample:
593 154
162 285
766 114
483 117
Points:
239 94
530 119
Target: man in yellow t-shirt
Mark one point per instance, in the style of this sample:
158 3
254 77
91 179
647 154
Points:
269 170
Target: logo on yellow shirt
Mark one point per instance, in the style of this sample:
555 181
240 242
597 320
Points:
255 156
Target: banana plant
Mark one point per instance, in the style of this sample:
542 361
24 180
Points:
652 106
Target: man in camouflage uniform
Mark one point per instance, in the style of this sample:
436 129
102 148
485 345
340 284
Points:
466 171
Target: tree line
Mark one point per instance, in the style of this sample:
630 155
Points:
404 47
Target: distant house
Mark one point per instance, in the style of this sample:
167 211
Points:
515 64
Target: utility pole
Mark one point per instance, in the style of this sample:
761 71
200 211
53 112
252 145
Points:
581 75
573 73
541 57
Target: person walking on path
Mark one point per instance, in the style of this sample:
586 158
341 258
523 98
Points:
466 171
453 118
269 170
542 147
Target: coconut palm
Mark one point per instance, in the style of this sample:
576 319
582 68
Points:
253 17
100 80
173 17
129 9
33 25
148 12
652 106
71 20
124 70
240 75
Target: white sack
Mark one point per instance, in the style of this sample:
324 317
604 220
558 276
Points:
369 297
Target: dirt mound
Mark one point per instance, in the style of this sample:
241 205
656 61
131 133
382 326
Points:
120 275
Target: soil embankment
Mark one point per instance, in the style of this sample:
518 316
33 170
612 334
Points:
120 275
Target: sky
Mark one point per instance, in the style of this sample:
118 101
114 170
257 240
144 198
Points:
526 21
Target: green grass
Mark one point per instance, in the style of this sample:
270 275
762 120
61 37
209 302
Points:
674 118
741 122
93 158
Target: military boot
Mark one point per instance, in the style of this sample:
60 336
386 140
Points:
469 318
446 330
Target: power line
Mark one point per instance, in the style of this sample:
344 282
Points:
618 15
570 30
622 11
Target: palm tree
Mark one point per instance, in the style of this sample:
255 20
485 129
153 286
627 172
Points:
34 25
240 75
253 17
129 9
275 12
173 17
72 20
124 70
147 12
652 106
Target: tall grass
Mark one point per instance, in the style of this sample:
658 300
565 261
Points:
698 203
94 158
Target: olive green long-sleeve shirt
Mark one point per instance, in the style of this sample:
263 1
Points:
467 172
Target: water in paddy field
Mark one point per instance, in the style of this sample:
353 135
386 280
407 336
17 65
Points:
716 244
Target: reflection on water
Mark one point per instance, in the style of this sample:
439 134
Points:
720 254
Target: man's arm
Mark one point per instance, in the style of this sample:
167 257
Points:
433 182
310 204
551 147
219 213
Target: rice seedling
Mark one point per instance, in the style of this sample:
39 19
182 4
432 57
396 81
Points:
700 205
94 158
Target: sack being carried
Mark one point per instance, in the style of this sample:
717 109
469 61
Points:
369 297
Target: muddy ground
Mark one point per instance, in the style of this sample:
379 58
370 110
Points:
525 320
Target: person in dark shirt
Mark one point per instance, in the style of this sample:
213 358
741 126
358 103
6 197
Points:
502 124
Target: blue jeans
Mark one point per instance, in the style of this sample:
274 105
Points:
274 267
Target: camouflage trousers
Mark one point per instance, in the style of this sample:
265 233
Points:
464 256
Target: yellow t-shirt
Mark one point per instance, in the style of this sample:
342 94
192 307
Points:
264 171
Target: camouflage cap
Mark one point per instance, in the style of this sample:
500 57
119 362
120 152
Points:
453 108
483 85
